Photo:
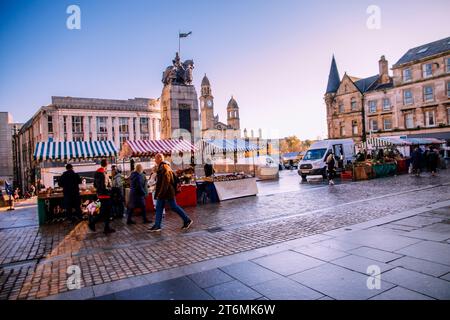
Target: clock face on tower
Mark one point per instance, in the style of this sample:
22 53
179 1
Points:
209 103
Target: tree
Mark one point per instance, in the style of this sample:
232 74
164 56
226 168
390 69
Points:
290 144
306 144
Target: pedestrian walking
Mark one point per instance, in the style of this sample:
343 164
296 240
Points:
433 161
137 196
70 182
117 198
166 188
103 194
330 161
416 160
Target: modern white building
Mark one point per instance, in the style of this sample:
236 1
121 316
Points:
84 119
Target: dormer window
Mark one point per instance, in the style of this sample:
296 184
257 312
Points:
423 50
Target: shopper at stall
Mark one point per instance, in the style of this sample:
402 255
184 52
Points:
103 194
117 198
432 161
209 169
330 161
70 181
416 161
166 187
137 195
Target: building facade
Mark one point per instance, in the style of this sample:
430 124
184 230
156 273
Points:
212 128
7 128
414 101
85 119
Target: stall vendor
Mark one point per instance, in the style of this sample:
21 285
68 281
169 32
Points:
209 169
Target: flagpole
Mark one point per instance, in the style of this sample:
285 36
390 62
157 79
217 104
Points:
179 43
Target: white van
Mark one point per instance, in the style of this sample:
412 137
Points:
313 163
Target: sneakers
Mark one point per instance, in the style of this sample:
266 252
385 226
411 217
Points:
186 225
131 222
155 229
331 183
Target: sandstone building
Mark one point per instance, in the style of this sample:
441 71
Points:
414 101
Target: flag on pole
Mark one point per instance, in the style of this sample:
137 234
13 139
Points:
184 35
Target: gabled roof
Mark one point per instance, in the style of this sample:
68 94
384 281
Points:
333 78
364 85
423 51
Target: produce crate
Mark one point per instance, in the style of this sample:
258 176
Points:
347 175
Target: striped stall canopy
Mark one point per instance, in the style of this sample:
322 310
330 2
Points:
396 141
226 145
69 150
373 143
149 148
424 141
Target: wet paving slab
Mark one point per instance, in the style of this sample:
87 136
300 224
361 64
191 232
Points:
219 230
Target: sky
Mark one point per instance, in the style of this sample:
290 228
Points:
273 56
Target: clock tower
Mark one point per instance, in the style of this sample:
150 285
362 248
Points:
206 105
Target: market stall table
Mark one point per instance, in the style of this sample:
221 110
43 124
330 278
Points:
384 169
233 189
48 203
229 186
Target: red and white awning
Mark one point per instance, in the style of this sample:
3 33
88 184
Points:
148 148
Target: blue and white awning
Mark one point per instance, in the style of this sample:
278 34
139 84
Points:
226 145
70 150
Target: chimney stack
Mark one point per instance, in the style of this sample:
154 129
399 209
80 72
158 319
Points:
384 70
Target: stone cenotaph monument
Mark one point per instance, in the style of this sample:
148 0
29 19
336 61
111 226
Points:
179 103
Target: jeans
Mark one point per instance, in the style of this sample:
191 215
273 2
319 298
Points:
173 205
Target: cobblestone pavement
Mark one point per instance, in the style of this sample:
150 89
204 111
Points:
34 261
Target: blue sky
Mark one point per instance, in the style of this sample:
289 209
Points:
273 56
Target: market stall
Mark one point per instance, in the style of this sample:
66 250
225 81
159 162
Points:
149 148
378 157
240 183
50 200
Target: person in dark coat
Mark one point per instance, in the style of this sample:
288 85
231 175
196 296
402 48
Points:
103 194
70 181
209 169
137 195
330 161
165 191
416 160
433 161
117 198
